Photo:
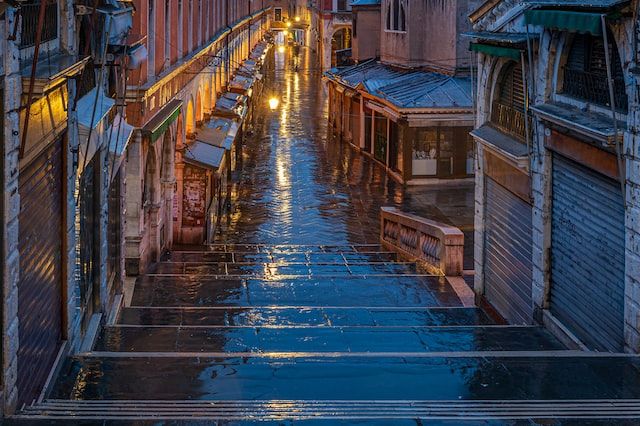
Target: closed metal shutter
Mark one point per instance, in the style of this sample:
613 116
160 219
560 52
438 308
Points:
507 263
587 255
40 285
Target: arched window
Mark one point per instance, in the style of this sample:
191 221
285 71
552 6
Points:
507 111
585 72
396 18
389 16
396 13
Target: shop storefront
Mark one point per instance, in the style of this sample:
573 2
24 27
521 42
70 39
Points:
443 152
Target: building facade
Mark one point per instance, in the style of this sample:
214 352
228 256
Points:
557 181
331 33
407 102
99 106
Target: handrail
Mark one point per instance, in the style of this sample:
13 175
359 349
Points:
440 246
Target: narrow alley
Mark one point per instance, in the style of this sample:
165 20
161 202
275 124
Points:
296 313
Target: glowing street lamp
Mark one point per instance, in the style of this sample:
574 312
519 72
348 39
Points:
288 24
281 49
297 19
274 102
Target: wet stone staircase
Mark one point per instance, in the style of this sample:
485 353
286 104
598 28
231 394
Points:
329 334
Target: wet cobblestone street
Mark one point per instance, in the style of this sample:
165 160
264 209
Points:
298 186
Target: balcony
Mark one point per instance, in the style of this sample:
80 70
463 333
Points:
509 120
30 13
594 88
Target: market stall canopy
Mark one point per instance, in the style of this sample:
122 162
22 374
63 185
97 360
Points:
205 155
220 131
241 83
234 104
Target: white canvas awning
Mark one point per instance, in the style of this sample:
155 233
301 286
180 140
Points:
120 134
93 112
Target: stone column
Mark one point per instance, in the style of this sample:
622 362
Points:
11 204
133 200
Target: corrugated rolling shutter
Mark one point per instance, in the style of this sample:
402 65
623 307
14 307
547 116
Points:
587 255
507 262
40 285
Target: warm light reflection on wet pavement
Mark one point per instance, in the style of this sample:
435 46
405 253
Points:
299 187
330 329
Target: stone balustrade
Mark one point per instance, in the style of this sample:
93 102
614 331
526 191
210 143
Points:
440 246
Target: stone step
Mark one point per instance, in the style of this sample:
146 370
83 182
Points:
389 291
335 340
290 269
282 248
338 411
468 377
304 317
276 257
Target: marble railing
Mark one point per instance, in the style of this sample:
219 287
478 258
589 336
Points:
440 246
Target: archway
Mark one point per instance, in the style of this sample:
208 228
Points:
167 177
207 95
198 111
341 47
191 119
150 198
214 89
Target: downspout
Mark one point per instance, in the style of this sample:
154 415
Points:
526 107
621 170
533 84
34 66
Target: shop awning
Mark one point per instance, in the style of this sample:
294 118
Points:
581 22
220 131
501 51
121 133
87 116
202 154
162 120
93 123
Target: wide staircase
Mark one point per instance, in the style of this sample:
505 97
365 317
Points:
329 334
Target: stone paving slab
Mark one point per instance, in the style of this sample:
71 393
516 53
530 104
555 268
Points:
290 267
270 257
473 378
334 422
389 291
311 317
328 339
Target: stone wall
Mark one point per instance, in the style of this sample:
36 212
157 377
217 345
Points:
507 16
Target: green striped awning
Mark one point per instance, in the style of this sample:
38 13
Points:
501 51
581 22
162 120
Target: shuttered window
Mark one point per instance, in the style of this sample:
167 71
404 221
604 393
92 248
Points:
507 111
585 72
511 90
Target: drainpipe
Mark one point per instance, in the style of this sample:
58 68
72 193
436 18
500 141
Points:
526 107
533 84
621 170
